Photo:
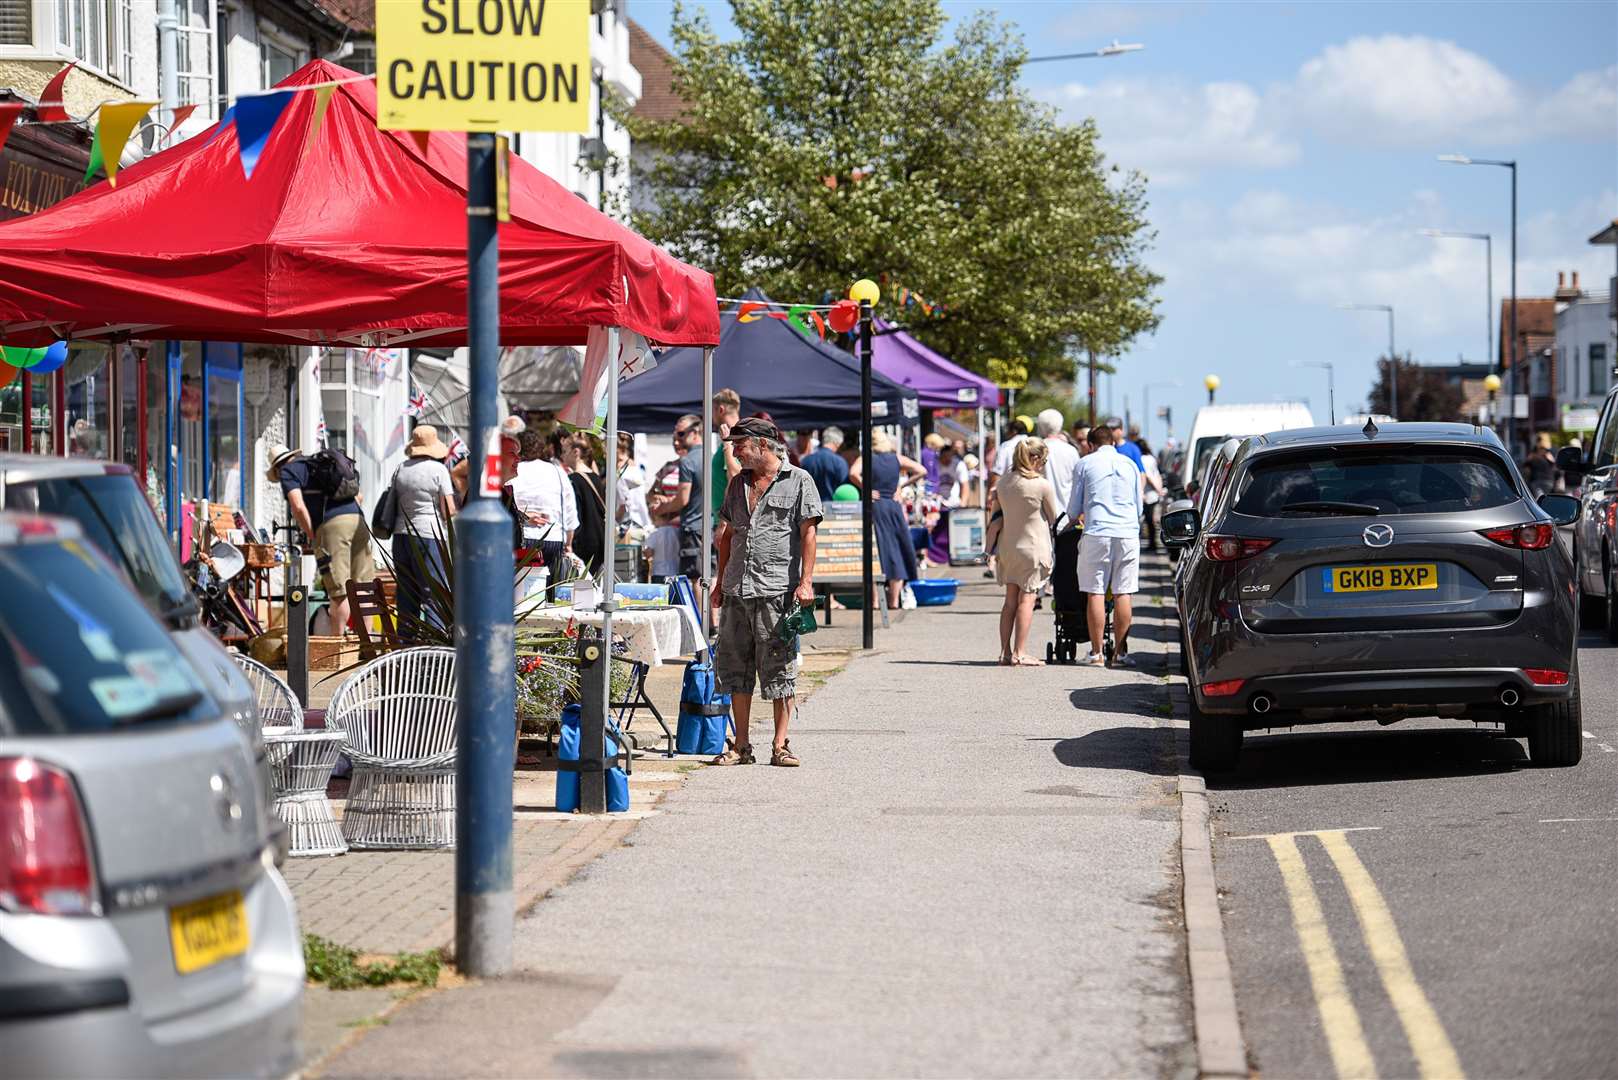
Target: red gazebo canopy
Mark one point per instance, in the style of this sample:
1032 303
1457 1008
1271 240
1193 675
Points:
356 238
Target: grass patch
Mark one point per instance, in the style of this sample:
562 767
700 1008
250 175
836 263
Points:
340 968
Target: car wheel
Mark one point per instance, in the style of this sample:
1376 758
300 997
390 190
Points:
1611 604
1216 741
1556 731
1594 611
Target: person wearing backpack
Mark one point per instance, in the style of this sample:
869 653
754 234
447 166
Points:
323 494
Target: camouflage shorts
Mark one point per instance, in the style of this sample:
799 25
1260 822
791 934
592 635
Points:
749 648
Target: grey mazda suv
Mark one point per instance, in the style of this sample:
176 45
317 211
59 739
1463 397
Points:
1343 573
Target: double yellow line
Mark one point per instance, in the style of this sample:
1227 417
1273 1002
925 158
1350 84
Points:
1345 1035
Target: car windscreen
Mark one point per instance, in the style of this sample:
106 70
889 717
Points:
1407 480
1201 452
114 515
78 651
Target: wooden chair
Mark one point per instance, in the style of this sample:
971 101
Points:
368 599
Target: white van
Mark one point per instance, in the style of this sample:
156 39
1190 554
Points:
1216 423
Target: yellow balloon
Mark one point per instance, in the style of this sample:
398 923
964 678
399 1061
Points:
864 289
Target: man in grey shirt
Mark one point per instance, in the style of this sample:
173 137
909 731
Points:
766 540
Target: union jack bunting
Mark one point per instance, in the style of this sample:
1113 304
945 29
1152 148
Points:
419 404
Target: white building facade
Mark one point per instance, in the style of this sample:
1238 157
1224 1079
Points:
1584 354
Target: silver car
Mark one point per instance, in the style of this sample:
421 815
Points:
144 929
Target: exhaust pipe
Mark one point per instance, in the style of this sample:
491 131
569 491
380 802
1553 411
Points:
1262 704
1509 696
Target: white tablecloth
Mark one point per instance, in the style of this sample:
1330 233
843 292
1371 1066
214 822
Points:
650 635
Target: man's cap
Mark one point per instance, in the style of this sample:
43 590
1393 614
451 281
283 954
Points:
753 428
1114 422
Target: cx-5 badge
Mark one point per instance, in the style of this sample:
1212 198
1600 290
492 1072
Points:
1378 535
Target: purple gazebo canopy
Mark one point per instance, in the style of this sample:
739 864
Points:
938 383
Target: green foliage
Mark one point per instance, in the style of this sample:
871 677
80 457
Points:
837 141
340 968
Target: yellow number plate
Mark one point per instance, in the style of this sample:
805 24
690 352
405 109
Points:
1402 578
208 931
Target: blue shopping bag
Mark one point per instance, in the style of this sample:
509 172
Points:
567 782
704 712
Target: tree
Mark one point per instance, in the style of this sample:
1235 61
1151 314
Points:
836 141
1425 394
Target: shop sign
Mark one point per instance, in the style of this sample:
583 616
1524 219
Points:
29 183
1580 419
483 65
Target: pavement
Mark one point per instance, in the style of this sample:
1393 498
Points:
976 872
1423 900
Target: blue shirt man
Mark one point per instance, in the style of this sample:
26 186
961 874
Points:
825 465
1106 492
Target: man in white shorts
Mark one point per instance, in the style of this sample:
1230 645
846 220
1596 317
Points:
1107 497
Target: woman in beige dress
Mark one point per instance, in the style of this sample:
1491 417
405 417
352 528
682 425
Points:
1028 508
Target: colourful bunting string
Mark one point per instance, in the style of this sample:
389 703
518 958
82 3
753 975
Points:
749 312
49 109
181 115
9 111
117 121
322 99
255 119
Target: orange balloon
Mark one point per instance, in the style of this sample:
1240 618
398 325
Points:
8 374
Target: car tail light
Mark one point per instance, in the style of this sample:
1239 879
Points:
1534 536
1545 676
1222 689
1612 518
1231 548
44 845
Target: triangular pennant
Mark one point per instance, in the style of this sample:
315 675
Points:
255 119
745 313
420 138
820 324
118 120
795 316
224 122
96 161
49 110
9 111
181 115
322 99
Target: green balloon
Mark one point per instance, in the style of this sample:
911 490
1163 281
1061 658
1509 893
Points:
22 358
846 493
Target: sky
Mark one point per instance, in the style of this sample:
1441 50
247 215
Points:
1290 152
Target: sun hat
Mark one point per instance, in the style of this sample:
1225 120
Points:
279 456
424 442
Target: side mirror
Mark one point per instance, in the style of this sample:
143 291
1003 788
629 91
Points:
1180 528
1570 459
1563 509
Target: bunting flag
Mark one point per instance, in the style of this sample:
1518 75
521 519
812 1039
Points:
181 115
50 110
420 138
255 119
9 111
224 122
118 120
418 404
322 99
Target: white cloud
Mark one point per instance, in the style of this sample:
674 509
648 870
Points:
1171 131
1585 108
1104 20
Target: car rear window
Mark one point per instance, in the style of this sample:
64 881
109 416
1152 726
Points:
78 652
1412 480
116 518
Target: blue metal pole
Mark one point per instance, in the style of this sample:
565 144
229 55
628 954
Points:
484 632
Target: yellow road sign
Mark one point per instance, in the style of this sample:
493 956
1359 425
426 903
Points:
483 65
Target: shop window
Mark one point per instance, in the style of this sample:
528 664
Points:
11 437
279 55
1600 370
156 427
87 417
224 383
129 418
40 387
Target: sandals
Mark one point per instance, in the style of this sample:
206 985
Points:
741 755
783 756
1026 661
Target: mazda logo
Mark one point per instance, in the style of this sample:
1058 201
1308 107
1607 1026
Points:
1378 535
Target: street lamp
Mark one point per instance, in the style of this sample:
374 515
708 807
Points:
1491 383
1393 359
1488 293
1331 386
1511 371
865 293
1146 405
1212 383
1116 48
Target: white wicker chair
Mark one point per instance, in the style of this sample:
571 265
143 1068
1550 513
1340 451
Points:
279 709
398 713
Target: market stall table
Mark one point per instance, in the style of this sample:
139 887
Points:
301 763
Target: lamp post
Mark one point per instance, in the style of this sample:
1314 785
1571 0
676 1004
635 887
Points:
865 293
1393 357
1491 383
1511 371
1488 287
1331 383
1212 383
1146 402
1116 48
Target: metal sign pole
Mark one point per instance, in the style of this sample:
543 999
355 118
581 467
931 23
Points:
868 539
594 717
485 635
705 475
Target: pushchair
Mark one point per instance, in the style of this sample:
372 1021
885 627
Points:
1069 604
